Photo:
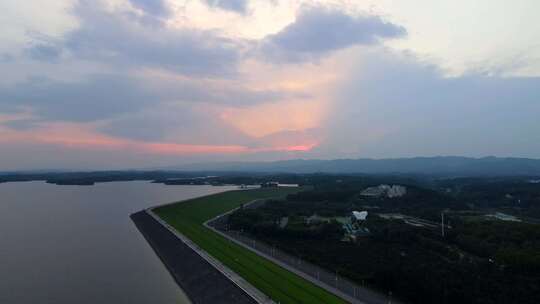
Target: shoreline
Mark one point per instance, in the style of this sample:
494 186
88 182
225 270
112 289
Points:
201 281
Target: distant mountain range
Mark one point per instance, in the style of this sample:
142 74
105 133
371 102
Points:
440 165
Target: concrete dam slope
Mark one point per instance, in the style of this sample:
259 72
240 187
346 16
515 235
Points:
202 283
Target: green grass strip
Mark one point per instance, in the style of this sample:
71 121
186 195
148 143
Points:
276 282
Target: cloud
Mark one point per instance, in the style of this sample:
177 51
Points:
122 40
83 136
43 47
21 124
300 141
394 104
98 97
6 58
180 123
238 6
189 124
46 52
126 81
220 92
78 144
106 96
153 7
320 30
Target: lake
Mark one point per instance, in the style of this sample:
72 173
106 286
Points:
76 244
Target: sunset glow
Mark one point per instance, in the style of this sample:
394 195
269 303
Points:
83 137
179 81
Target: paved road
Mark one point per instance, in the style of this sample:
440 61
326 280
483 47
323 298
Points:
341 287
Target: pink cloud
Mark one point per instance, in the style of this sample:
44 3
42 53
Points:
173 148
84 136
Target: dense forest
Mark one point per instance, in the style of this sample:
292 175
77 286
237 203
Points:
479 260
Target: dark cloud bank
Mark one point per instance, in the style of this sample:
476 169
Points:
318 31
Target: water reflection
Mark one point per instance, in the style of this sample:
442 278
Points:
76 244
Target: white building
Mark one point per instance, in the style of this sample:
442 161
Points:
396 191
359 215
385 190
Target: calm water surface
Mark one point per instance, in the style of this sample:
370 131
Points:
76 244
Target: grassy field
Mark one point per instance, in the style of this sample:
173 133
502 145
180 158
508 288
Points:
279 284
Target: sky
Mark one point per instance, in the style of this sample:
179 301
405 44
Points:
113 84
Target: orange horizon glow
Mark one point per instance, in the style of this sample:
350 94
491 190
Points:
266 119
301 148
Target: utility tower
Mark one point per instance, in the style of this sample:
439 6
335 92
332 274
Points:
442 223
